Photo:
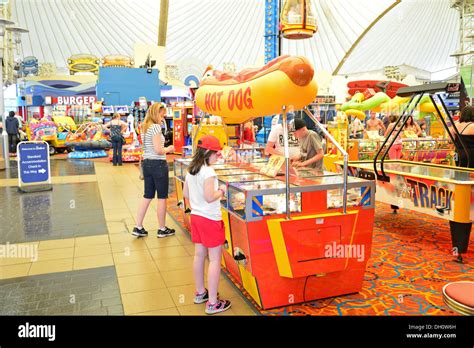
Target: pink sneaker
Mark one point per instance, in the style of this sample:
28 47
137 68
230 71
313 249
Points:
219 306
201 298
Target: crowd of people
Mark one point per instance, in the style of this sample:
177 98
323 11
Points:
380 124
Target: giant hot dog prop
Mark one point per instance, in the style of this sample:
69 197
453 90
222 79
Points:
237 98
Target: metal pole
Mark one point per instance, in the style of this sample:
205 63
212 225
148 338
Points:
287 163
163 24
280 41
6 152
443 121
202 114
403 120
344 154
241 131
472 80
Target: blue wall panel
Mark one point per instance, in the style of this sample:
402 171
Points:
122 86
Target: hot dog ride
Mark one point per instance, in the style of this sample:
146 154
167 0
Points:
238 98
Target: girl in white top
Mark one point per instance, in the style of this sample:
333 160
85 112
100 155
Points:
207 227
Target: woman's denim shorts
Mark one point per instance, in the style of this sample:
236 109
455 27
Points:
156 177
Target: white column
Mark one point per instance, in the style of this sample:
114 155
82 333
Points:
6 153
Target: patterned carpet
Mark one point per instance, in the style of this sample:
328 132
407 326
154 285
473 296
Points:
411 261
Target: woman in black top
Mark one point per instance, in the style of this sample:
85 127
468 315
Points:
465 127
460 231
117 127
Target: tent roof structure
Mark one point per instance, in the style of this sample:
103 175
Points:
353 36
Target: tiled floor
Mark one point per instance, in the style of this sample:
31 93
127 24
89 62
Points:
59 167
69 210
154 276
86 292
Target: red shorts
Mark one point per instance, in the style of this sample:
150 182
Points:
207 232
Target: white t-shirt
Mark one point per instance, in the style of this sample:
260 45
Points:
276 136
199 206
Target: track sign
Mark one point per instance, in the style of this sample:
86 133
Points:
33 166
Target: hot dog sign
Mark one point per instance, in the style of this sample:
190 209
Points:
237 98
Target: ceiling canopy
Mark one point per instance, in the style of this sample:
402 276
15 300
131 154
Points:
352 36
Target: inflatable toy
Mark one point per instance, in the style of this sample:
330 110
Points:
391 87
368 104
54 133
90 135
41 130
238 98
426 105
87 154
381 102
356 113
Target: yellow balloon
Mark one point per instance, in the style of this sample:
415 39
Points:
378 108
427 107
356 113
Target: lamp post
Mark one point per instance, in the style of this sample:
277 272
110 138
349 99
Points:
6 153
17 31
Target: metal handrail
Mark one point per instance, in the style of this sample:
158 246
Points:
193 143
287 163
448 115
344 153
402 119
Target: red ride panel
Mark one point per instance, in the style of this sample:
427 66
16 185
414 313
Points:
276 291
313 248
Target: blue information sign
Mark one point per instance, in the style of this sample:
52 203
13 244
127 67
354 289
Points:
33 162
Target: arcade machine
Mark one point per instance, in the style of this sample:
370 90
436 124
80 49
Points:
182 115
277 227
211 125
168 127
442 191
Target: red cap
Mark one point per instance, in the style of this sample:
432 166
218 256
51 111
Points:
209 142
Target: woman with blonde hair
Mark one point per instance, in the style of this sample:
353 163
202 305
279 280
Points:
155 170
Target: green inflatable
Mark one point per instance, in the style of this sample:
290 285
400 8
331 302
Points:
371 103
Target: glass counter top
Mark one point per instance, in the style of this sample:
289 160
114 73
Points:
257 165
333 179
260 185
421 169
231 171
243 177
223 166
311 173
